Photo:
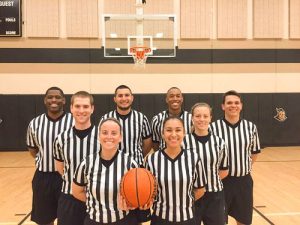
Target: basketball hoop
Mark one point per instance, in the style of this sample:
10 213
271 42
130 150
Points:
140 54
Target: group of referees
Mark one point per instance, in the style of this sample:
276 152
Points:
202 168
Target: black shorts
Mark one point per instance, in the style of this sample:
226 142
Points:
210 209
70 211
142 215
239 198
46 188
155 220
130 219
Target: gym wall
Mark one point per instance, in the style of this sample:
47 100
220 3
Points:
250 46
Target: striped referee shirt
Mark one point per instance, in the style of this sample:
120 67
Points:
242 141
71 149
102 185
176 180
136 127
157 124
41 133
214 155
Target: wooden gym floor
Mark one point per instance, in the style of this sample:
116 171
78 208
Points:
276 177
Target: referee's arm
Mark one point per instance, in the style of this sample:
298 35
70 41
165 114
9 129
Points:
254 157
33 151
58 155
255 147
80 182
31 144
79 191
59 166
223 173
155 146
199 192
147 145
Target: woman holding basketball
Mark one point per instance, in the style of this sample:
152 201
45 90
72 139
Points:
180 177
214 155
97 179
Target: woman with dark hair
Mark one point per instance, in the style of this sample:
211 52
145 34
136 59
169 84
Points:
180 177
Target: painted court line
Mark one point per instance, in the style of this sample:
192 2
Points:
14 223
283 214
15 167
263 216
279 161
24 219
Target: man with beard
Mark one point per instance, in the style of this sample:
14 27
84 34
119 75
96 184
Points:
136 132
174 99
136 128
41 132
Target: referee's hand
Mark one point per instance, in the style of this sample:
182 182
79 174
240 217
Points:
147 206
122 203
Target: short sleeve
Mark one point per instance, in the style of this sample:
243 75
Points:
149 163
146 132
30 141
155 129
255 142
224 156
201 179
80 174
57 149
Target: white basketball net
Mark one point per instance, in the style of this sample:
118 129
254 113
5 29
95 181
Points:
140 55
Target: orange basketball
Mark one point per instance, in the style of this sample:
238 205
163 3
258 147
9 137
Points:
138 187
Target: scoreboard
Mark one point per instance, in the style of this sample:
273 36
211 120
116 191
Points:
10 18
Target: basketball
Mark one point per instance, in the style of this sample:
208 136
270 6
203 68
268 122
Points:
138 187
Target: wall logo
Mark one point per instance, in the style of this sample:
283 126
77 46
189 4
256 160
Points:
281 115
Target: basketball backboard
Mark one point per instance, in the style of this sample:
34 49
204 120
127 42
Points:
124 31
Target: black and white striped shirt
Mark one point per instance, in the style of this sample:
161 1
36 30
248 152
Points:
176 180
135 128
157 124
242 141
71 149
41 133
102 185
214 156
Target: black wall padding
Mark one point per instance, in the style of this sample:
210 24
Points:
96 55
17 110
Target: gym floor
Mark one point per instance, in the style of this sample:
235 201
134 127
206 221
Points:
276 177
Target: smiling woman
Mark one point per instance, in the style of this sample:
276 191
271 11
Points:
106 168
110 136
178 171
214 154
